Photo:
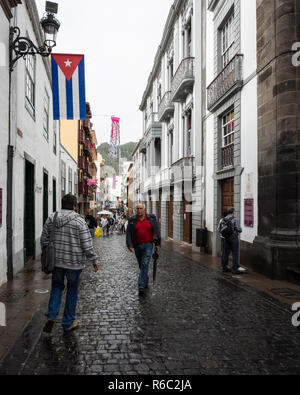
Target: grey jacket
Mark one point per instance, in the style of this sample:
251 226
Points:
72 240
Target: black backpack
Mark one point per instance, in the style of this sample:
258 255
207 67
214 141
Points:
226 228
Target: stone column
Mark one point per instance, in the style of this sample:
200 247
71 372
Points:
277 246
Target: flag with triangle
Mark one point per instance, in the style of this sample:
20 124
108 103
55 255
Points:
68 87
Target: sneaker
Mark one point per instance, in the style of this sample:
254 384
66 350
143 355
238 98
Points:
241 270
141 291
72 328
226 270
48 327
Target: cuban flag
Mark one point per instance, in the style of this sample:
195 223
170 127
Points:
68 87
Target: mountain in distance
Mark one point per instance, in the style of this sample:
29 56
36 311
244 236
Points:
126 152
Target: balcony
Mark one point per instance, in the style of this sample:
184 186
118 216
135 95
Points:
83 188
227 156
81 162
86 124
152 122
183 80
184 169
87 145
81 137
225 84
166 108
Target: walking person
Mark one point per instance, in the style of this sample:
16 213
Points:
73 242
104 225
225 269
91 222
229 229
142 231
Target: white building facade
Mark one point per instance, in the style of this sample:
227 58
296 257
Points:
199 145
172 179
34 141
231 118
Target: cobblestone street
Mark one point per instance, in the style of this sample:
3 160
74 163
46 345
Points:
193 321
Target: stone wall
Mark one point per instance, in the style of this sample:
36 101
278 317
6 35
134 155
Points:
277 245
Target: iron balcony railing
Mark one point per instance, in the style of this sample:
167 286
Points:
228 156
183 79
166 107
229 79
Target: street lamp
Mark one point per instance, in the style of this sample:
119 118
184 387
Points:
22 46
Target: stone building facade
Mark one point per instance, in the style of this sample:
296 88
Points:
277 246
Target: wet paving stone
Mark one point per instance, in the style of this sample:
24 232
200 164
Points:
194 320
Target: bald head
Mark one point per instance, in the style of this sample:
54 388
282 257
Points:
140 210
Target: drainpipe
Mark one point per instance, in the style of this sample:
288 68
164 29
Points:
9 200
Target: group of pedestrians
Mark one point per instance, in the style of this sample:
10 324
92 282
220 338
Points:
73 242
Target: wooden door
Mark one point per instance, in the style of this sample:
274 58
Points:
29 213
227 194
187 223
158 206
170 217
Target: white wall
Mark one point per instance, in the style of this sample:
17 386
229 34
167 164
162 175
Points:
209 174
249 113
249 153
4 92
209 125
32 145
248 37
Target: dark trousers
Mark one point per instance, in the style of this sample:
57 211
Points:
231 245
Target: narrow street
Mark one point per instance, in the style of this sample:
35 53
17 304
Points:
193 321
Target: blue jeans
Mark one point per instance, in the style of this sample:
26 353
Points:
58 285
231 244
143 252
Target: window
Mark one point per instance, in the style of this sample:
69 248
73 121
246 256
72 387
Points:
54 137
171 73
228 129
70 180
227 41
187 132
46 116
171 143
228 139
189 39
75 183
63 179
30 85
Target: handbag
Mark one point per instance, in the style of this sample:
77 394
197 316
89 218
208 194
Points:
98 232
48 253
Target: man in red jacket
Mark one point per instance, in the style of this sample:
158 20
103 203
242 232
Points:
142 232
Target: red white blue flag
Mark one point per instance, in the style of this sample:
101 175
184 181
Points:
68 86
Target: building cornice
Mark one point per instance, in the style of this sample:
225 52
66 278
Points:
7 5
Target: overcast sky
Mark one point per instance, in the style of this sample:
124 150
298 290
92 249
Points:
119 39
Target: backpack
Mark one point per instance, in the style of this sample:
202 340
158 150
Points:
226 228
48 253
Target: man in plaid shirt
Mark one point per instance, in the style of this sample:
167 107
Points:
73 243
